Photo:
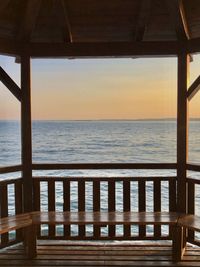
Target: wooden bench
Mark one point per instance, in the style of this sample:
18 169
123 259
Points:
20 221
108 218
189 222
30 221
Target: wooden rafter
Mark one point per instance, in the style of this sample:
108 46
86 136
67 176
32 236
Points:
3 4
65 22
143 17
10 84
178 18
29 20
194 88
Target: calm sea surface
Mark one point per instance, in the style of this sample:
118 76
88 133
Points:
98 141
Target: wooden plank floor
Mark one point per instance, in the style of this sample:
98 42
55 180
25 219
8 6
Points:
57 253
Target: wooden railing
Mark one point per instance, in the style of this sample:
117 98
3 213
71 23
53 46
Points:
193 200
104 193
15 202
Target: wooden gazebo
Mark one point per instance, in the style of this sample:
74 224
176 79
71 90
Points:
94 29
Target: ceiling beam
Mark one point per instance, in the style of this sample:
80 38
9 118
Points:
142 20
65 22
10 84
28 21
178 17
92 50
117 49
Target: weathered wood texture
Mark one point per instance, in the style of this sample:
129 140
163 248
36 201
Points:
99 254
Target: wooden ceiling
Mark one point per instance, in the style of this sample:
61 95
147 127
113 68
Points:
92 28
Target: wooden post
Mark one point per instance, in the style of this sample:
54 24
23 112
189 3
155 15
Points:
26 133
182 130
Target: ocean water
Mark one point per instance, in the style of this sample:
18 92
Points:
150 141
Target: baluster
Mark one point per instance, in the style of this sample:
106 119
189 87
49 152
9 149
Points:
51 204
157 205
111 205
4 210
81 204
36 200
96 206
126 205
191 206
142 204
66 206
172 200
18 206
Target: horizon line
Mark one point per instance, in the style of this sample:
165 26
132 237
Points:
142 119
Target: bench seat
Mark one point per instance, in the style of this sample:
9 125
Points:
31 220
191 222
15 222
105 218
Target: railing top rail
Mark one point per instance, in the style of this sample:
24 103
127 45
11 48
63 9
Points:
193 167
98 166
10 181
193 180
104 178
9 169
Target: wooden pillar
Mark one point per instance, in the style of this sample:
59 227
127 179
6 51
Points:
26 133
182 130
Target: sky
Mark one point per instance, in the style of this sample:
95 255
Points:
95 89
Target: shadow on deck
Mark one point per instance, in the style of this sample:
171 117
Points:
60 253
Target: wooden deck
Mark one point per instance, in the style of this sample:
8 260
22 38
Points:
61 253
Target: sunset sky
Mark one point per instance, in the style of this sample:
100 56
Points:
99 89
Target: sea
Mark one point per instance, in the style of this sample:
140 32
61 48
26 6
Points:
102 141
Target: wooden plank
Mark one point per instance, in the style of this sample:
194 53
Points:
142 20
115 49
127 205
107 218
111 205
172 200
194 88
10 84
178 18
182 131
96 166
65 22
36 200
51 204
4 211
66 206
102 178
96 205
157 205
28 20
9 169
18 206
172 195
190 222
191 206
26 133
192 167
142 204
81 204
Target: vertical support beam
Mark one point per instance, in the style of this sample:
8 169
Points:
182 130
26 133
